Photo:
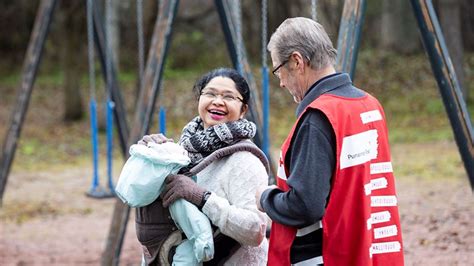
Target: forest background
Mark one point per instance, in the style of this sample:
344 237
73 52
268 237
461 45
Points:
52 169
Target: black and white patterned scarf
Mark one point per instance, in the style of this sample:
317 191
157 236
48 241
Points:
200 142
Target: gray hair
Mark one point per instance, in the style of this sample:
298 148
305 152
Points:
305 36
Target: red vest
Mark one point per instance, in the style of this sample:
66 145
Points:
361 224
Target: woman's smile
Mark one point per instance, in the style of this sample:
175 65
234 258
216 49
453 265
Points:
220 102
217 114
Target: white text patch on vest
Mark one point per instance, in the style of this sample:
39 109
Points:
370 116
359 148
379 168
383 201
386 231
385 247
378 217
377 183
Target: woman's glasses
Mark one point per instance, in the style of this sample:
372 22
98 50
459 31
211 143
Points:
226 97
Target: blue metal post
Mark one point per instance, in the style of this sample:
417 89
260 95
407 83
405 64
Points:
162 120
95 142
110 131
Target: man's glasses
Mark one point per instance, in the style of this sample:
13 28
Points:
276 71
226 97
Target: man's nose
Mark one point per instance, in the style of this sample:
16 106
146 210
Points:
282 85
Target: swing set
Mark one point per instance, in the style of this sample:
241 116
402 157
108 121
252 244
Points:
97 191
229 12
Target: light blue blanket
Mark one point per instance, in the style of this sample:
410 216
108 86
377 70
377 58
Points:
141 182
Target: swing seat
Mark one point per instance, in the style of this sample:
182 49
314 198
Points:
100 193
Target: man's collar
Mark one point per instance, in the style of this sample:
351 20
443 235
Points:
319 81
321 86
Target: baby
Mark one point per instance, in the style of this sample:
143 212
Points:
141 182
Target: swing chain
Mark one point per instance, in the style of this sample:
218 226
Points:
238 18
108 35
264 32
313 9
140 41
90 46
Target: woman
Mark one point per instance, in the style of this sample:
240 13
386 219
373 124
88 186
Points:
225 189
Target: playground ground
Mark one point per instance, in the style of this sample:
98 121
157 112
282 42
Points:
47 220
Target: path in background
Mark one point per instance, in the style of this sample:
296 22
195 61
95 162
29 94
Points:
47 220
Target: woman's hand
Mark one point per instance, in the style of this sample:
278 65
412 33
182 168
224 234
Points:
181 186
156 138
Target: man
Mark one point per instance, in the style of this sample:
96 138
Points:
335 200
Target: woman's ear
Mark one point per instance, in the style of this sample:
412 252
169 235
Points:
244 110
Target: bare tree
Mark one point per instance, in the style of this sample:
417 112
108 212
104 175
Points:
70 19
467 24
450 20
329 13
398 32
112 25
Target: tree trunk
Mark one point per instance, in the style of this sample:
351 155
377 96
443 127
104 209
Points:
70 60
388 38
329 15
397 31
450 20
467 24
113 27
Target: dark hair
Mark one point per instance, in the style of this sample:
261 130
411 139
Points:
240 83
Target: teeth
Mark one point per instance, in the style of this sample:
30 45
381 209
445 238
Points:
216 112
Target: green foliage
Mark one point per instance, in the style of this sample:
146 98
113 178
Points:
408 91
193 51
10 80
424 161
30 147
404 85
24 211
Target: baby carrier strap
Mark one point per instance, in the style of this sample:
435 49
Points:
244 145
154 226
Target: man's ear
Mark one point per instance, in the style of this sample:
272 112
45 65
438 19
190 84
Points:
298 59
243 111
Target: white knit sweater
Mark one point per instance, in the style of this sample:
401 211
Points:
233 182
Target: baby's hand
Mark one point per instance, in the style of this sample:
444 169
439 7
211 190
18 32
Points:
154 138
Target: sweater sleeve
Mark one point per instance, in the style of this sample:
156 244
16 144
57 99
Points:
236 214
311 165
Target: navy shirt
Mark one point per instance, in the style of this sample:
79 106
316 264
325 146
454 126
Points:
311 160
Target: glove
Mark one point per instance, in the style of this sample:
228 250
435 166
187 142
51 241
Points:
156 138
181 186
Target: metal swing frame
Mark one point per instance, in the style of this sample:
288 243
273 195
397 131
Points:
441 65
348 43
